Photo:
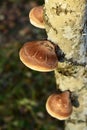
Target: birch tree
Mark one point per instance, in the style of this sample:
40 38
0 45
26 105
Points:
65 23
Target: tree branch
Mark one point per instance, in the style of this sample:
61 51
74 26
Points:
65 22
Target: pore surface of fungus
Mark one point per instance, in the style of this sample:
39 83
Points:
59 105
36 17
39 55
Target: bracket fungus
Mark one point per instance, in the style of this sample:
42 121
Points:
36 17
39 55
59 105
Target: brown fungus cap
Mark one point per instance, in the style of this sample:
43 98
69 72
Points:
59 105
39 55
36 17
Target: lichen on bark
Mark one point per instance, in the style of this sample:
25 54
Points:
65 26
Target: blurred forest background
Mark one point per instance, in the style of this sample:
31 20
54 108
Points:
23 92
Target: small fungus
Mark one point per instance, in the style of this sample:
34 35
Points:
59 105
36 17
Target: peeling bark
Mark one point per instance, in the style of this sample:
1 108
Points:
65 22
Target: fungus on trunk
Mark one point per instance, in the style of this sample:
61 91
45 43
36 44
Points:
39 55
59 106
36 17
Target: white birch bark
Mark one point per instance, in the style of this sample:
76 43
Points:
64 22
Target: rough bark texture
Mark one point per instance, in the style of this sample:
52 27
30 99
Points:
65 26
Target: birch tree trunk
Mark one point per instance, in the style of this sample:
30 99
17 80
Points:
65 22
